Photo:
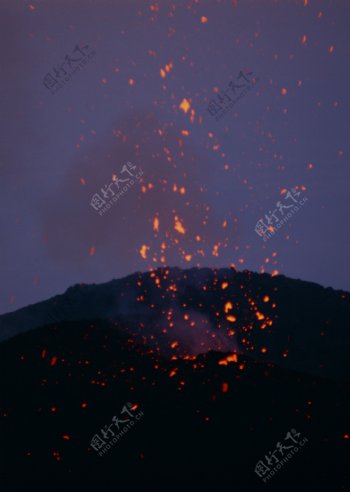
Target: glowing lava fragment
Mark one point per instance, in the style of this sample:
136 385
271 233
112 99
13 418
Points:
266 299
56 454
53 361
204 19
185 105
231 318
156 224
179 227
284 91
66 437
143 251
228 306
224 285
229 358
224 387
304 39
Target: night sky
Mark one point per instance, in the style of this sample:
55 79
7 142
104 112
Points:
143 98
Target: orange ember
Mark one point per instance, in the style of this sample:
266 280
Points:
224 387
228 306
178 226
185 105
229 358
143 251
156 224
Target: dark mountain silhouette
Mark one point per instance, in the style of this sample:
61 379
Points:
302 325
205 424
213 405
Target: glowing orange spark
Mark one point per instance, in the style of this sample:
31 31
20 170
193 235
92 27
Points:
215 251
229 358
143 251
224 387
53 361
156 224
178 226
228 306
185 105
304 39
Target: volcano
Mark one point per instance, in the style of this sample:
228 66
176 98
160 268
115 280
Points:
199 379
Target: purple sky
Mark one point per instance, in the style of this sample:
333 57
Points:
290 130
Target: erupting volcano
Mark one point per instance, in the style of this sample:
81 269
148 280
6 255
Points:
208 356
